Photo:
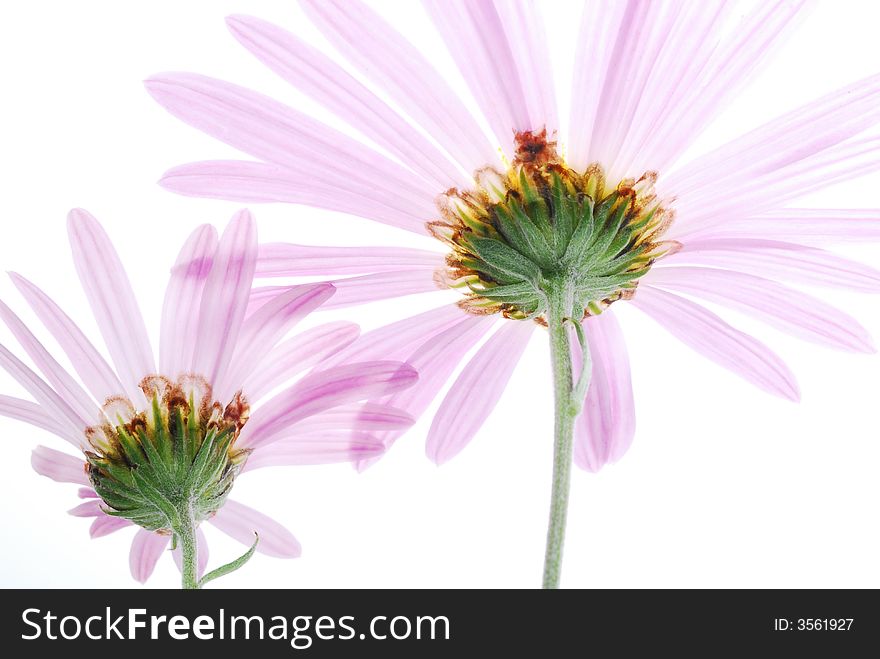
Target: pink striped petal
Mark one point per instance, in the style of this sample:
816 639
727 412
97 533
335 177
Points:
385 57
322 391
224 298
87 509
381 286
710 336
317 449
264 128
249 182
91 367
786 261
287 260
791 311
605 429
112 300
182 299
263 329
60 380
297 354
477 390
74 426
360 416
312 72
476 39
59 466
600 26
146 548
202 545
25 410
107 524
241 522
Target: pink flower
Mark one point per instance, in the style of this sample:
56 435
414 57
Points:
651 77
213 350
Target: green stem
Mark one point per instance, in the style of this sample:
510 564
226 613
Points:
189 549
567 407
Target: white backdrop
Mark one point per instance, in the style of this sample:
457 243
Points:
723 487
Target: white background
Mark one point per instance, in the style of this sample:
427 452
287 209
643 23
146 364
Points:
723 487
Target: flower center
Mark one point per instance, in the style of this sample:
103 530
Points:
172 463
541 227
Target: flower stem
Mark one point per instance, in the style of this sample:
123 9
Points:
567 407
189 549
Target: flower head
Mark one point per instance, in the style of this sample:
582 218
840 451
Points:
605 205
161 448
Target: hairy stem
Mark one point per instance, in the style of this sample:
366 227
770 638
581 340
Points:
189 550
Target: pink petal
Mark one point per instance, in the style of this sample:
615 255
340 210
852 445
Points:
24 410
106 524
790 310
315 74
381 286
248 182
817 226
146 548
360 416
385 57
241 522
60 380
87 509
263 329
287 260
202 544
86 493
477 390
710 336
291 357
91 367
322 391
59 466
182 297
268 130
224 298
51 402
476 39
317 448
787 261
112 300
605 429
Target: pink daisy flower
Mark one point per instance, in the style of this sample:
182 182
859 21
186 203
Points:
543 225
160 448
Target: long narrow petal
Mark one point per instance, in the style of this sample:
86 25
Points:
60 380
182 299
87 509
91 367
477 41
321 391
297 354
107 524
264 128
288 260
476 391
786 308
713 338
241 522
112 300
261 331
360 416
315 74
605 429
779 260
381 286
317 449
58 466
202 544
25 410
146 548
44 394
400 69
224 298
247 182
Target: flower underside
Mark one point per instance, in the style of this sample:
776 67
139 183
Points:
177 459
541 226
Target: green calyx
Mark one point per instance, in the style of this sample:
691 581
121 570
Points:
172 466
541 227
